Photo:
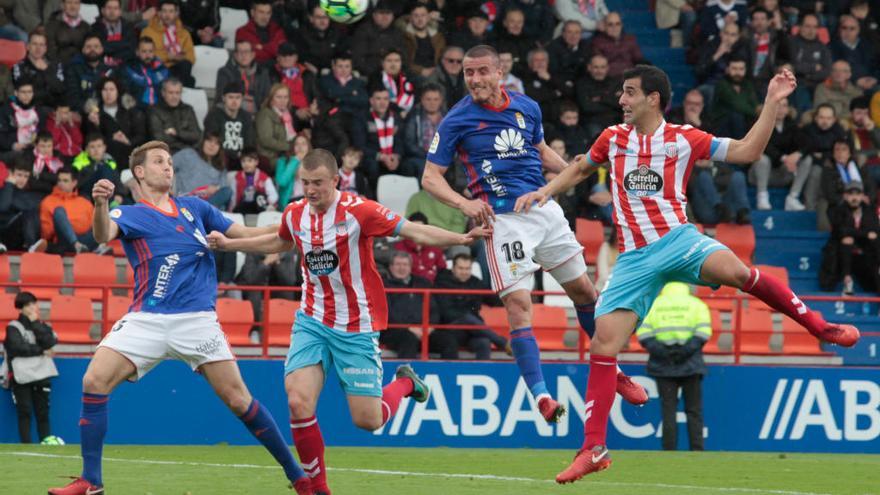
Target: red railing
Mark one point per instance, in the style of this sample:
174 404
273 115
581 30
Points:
426 326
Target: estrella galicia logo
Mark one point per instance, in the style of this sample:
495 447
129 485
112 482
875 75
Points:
643 181
321 262
510 143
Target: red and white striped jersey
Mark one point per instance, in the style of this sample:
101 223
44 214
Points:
341 286
649 176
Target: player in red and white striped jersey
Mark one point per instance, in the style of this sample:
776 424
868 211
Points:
344 305
649 162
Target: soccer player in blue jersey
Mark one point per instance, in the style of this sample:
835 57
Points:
499 138
172 315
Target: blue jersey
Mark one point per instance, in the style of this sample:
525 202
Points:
497 147
174 270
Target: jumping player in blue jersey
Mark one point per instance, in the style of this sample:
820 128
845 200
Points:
499 138
172 315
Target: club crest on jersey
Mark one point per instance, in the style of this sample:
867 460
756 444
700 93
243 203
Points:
520 120
321 262
671 150
341 228
187 214
115 213
643 181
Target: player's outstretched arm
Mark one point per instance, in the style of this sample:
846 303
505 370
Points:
104 229
579 170
238 231
551 159
434 182
265 244
749 148
430 235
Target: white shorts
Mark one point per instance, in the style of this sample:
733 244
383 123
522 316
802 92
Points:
523 242
146 339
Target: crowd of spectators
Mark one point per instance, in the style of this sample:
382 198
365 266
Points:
374 93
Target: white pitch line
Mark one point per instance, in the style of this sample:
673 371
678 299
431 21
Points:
488 477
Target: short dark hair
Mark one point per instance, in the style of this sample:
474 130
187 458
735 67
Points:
92 137
859 102
462 256
250 152
807 14
760 10
20 163
91 35
146 39
431 86
349 150
22 299
737 58
163 2
67 169
389 51
845 141
820 106
320 158
568 106
653 80
44 136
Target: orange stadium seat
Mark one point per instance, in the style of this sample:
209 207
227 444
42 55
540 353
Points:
236 317
11 52
549 324
41 268
71 318
739 238
591 235
797 340
7 312
118 250
496 319
5 271
117 307
279 321
711 347
757 327
91 268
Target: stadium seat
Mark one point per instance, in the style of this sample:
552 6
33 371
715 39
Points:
39 268
715 298
7 312
282 313
560 301
711 347
739 238
230 21
265 218
591 235
199 101
496 319
756 329
208 61
239 256
236 317
797 340
11 52
5 271
549 324
94 269
394 191
118 250
89 12
71 318
117 307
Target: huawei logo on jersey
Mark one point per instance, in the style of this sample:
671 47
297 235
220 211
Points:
509 143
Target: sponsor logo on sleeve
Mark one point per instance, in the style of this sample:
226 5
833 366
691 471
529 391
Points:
187 214
435 143
115 213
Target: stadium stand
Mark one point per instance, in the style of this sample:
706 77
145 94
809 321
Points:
282 314
230 21
236 317
116 308
208 61
37 268
394 191
93 269
71 317
11 52
5 270
591 235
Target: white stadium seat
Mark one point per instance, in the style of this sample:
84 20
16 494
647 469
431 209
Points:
208 61
230 21
268 218
551 285
89 12
239 256
394 191
198 99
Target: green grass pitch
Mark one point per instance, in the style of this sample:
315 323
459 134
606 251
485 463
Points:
192 470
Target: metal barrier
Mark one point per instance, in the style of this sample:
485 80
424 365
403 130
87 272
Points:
426 326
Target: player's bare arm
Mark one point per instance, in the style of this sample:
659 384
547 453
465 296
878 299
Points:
104 229
430 235
264 244
551 159
579 170
749 148
434 182
238 231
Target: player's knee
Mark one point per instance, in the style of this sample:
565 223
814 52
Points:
369 421
94 383
519 309
581 291
300 405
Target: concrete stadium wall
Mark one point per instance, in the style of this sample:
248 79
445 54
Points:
746 408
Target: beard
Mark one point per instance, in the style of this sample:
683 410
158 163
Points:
92 57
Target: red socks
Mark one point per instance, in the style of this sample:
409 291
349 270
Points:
601 390
779 297
310 447
392 394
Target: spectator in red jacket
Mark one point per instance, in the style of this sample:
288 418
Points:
64 127
426 260
264 34
621 50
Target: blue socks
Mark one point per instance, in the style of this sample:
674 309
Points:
92 428
525 351
263 427
586 317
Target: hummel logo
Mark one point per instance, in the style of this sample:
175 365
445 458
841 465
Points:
598 458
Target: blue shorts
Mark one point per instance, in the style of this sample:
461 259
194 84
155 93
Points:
355 356
638 275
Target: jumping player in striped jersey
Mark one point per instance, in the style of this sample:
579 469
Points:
498 136
343 307
649 163
172 315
